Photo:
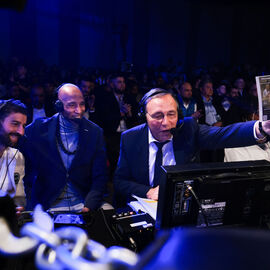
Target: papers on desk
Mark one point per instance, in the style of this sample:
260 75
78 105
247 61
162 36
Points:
145 205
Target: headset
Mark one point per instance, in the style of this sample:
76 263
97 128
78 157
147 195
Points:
58 105
4 103
149 95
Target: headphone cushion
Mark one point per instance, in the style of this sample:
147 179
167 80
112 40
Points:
59 106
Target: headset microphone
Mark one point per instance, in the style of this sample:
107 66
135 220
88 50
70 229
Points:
175 131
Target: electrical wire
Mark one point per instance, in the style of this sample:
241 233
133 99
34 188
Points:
7 167
199 204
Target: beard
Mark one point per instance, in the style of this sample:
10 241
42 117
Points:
118 91
186 100
5 138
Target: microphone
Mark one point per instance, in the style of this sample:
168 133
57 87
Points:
175 131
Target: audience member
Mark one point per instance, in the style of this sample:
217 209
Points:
88 89
116 115
38 108
187 103
209 107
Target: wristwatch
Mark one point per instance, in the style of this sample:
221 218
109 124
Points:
266 136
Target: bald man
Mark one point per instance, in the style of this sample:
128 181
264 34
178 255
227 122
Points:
65 157
187 104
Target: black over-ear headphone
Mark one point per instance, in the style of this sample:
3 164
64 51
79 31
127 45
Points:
4 103
59 106
150 94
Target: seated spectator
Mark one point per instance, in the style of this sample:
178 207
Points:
240 84
187 102
21 78
38 108
13 92
221 89
209 107
160 82
88 89
49 88
116 114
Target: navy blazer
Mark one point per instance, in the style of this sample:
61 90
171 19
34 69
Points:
132 173
45 174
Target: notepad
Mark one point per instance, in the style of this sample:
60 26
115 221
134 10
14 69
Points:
145 205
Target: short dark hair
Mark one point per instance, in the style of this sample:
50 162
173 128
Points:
116 75
86 80
11 106
204 82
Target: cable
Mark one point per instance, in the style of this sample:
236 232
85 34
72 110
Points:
67 152
107 225
67 160
199 204
8 164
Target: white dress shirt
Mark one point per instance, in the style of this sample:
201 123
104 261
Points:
38 113
167 152
11 167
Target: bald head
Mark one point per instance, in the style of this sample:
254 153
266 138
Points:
68 89
73 102
186 91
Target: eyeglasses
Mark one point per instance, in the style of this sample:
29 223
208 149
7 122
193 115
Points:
160 116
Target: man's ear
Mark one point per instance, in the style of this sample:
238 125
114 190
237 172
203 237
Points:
111 85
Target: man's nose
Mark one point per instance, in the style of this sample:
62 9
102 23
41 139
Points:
79 109
20 130
165 120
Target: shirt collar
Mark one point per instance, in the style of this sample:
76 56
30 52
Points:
151 139
205 101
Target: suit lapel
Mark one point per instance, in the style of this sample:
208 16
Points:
143 154
50 135
179 147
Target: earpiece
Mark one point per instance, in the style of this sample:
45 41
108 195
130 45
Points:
59 106
4 103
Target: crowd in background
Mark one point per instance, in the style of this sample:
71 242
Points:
215 95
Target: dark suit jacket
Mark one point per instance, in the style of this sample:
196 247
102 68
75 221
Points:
108 111
200 107
46 176
132 173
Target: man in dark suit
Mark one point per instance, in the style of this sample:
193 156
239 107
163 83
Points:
142 145
87 87
65 157
115 113
39 107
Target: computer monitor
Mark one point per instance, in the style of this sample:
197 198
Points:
214 194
